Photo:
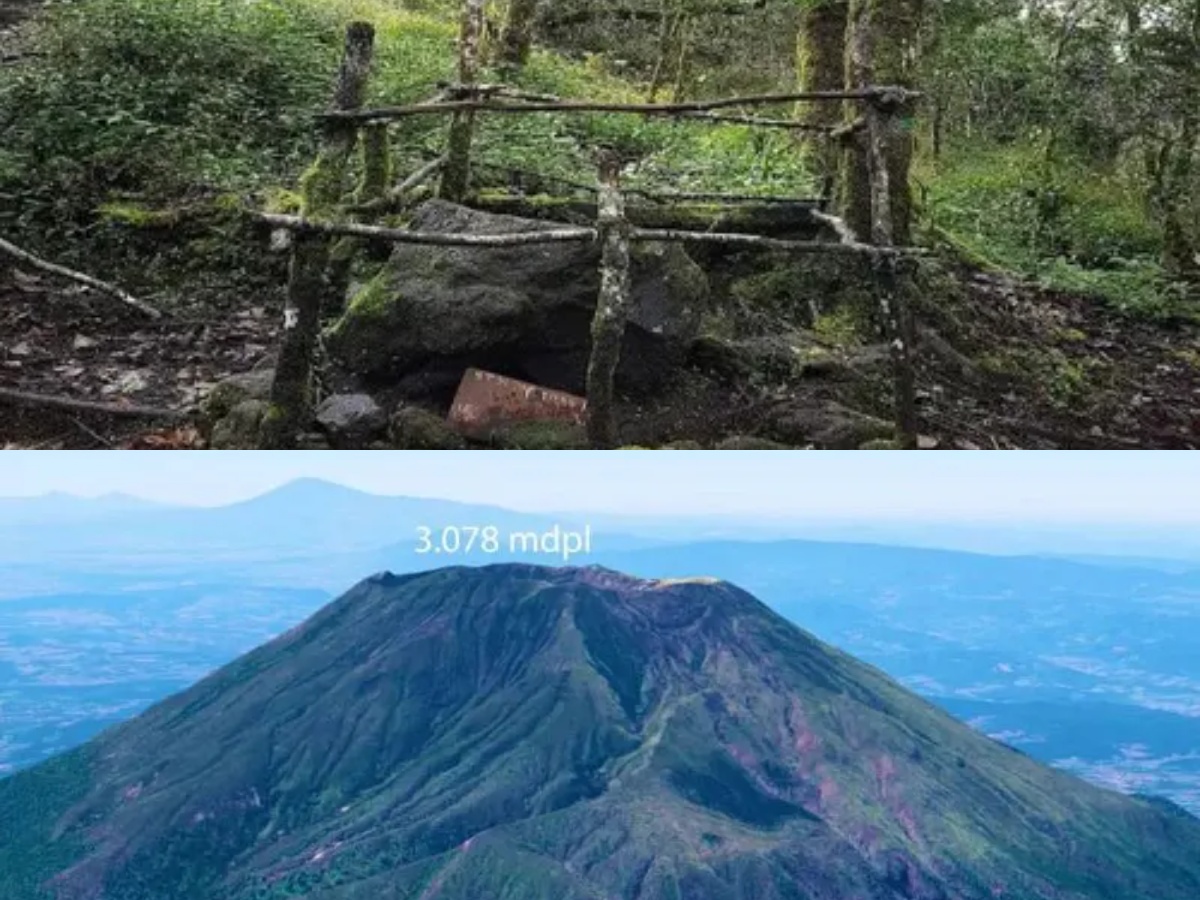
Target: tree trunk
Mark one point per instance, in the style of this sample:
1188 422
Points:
323 188
893 306
683 62
457 172
666 33
516 39
612 304
820 66
881 49
1180 251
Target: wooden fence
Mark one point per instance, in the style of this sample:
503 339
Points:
331 212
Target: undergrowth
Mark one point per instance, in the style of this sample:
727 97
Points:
1060 224
132 105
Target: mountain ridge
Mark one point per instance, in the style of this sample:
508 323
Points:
517 730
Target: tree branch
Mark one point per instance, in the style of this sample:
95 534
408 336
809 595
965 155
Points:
650 109
396 194
439 239
103 286
27 398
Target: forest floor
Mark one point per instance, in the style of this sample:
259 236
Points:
1010 366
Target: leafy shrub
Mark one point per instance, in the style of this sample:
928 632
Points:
160 97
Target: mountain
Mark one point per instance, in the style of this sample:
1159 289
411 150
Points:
293 518
58 507
516 731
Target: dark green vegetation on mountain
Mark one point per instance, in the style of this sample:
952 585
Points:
516 731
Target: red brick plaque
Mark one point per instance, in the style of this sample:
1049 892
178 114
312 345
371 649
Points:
486 401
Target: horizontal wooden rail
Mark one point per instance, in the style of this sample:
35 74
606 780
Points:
436 238
491 104
573 234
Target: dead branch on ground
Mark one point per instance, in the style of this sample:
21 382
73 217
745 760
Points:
96 284
115 410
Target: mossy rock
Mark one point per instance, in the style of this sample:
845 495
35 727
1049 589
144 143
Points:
524 312
413 428
881 444
239 429
237 389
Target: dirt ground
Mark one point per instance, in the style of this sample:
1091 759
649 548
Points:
1006 366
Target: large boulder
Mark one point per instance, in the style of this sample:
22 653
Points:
520 311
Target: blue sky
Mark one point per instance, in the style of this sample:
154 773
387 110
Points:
1054 486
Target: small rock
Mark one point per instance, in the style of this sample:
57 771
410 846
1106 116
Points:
927 442
351 420
21 349
83 342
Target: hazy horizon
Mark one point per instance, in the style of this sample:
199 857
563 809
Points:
1029 489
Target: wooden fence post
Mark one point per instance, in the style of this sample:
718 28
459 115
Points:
896 314
372 186
608 324
323 189
457 172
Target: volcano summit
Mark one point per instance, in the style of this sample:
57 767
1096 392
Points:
513 732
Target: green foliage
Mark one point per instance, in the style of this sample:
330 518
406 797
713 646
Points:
160 97
1060 223
158 100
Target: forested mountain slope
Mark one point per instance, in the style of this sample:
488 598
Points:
516 731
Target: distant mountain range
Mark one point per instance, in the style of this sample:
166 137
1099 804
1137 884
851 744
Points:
567 734
357 519
296 518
